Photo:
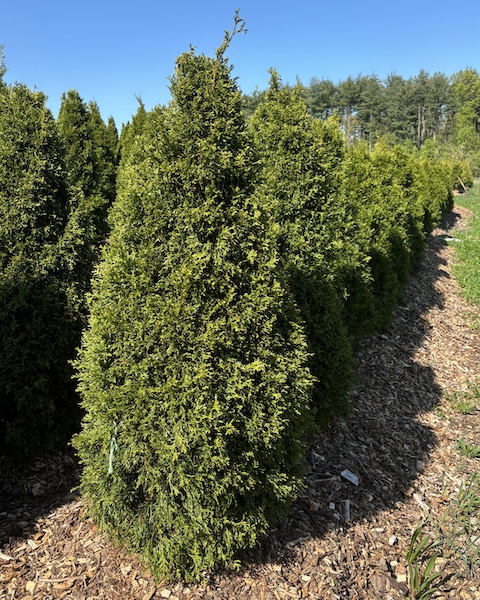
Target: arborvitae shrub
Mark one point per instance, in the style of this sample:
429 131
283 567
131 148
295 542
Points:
91 169
396 198
75 127
193 369
462 173
433 187
105 140
301 158
368 186
37 326
130 131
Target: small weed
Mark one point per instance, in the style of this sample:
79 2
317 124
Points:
421 564
458 530
464 402
468 449
440 412
474 318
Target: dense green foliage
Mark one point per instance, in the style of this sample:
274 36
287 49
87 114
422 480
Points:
90 158
242 267
105 140
130 131
193 370
36 323
437 108
395 198
301 165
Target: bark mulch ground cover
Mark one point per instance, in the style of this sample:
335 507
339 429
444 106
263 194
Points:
409 453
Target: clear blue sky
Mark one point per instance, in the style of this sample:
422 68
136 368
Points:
112 51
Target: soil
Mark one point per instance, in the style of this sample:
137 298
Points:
371 480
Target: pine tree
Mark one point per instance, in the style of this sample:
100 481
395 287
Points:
193 369
37 325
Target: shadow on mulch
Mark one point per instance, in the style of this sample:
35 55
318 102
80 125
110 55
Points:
382 442
30 491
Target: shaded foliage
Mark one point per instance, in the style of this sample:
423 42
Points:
38 327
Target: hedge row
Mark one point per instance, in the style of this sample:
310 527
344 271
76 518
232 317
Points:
244 264
50 229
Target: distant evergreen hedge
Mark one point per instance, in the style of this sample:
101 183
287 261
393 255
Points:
38 328
193 370
395 198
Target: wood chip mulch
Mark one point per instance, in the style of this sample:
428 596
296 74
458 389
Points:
371 480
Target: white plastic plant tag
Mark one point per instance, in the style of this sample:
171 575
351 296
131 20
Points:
349 476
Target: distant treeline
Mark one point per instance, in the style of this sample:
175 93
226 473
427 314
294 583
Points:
426 107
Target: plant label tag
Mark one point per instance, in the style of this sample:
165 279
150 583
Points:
349 476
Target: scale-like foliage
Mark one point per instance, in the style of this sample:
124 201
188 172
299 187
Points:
193 369
105 140
91 167
301 158
370 188
396 198
37 328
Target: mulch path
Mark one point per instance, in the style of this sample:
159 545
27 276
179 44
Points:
371 479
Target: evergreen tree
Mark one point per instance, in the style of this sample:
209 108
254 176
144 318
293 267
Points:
3 68
321 98
75 127
130 131
348 99
301 159
379 187
437 97
465 104
400 108
36 321
251 101
91 172
113 139
193 369
105 141
370 108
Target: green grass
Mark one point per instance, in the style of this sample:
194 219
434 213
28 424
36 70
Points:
455 535
467 271
466 402
468 449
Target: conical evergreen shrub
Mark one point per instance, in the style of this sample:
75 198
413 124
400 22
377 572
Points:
193 370
301 159
105 138
388 200
91 172
38 328
130 131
